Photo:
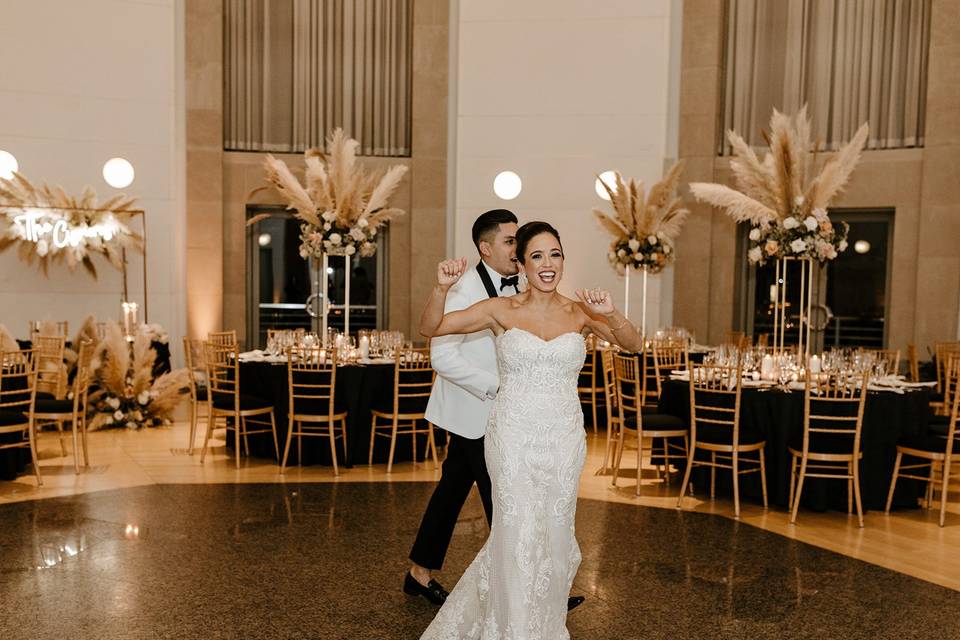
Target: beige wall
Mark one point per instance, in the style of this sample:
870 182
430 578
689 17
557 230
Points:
920 184
219 183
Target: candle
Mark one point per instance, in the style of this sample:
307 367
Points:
766 367
364 347
129 318
773 293
814 364
323 356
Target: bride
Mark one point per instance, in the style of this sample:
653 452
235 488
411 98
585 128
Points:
517 587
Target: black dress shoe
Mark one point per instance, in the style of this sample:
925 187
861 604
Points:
574 601
433 592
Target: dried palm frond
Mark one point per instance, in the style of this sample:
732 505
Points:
142 366
741 208
168 391
779 183
337 184
30 215
660 214
111 361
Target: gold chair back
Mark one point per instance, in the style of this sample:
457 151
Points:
667 357
412 380
715 392
17 382
193 357
221 362
833 404
51 369
628 384
913 362
224 338
49 328
311 382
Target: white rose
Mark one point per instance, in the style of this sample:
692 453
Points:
755 254
373 231
638 257
842 246
350 250
357 234
798 246
790 223
755 234
335 238
304 252
652 239
131 425
329 216
362 222
327 226
634 244
623 252
118 415
144 397
798 201
819 213
811 223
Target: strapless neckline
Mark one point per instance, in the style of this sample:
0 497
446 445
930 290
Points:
535 336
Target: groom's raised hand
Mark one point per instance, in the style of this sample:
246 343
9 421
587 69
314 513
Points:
449 271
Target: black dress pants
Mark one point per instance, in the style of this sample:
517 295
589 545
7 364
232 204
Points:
464 466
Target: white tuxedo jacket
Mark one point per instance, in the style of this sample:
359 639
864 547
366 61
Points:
466 366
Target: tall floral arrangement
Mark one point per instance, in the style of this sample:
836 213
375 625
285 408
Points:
47 225
341 206
785 206
643 230
124 392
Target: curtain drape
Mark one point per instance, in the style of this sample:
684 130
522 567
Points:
296 69
849 61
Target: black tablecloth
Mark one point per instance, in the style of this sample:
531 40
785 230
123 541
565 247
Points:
359 389
779 416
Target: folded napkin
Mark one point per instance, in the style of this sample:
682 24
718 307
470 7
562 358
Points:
256 355
7 341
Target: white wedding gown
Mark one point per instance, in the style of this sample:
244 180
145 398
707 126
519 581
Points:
517 587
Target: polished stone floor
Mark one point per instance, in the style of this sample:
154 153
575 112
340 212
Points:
326 561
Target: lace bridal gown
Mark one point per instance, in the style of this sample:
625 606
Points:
517 587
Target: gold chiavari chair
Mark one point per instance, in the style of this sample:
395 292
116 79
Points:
49 328
223 338
763 339
830 446
933 450
18 377
222 363
632 417
72 409
312 385
51 376
649 391
942 352
193 356
412 380
734 337
611 404
587 387
667 357
913 362
715 393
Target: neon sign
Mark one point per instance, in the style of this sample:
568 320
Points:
43 226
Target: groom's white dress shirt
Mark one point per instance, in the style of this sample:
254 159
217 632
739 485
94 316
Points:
466 365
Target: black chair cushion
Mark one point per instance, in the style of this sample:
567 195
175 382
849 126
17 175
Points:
933 444
11 419
225 401
45 405
938 425
201 394
45 395
656 422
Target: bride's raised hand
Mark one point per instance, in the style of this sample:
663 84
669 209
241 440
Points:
597 301
449 271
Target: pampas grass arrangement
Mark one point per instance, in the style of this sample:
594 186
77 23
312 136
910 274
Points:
776 195
341 205
643 230
125 393
47 225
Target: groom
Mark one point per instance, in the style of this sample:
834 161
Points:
467 382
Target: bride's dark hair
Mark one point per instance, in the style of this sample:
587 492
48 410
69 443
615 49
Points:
528 232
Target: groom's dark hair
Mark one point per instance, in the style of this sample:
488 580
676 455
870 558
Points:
489 223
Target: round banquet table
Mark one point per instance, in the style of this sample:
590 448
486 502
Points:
360 388
778 415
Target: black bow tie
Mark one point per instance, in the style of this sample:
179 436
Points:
512 281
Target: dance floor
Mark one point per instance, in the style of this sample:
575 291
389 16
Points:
325 560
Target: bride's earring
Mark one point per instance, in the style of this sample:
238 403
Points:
522 280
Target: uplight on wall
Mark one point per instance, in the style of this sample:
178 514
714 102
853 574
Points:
507 185
861 246
118 172
610 179
8 164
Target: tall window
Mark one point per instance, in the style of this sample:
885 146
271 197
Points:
850 61
296 69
